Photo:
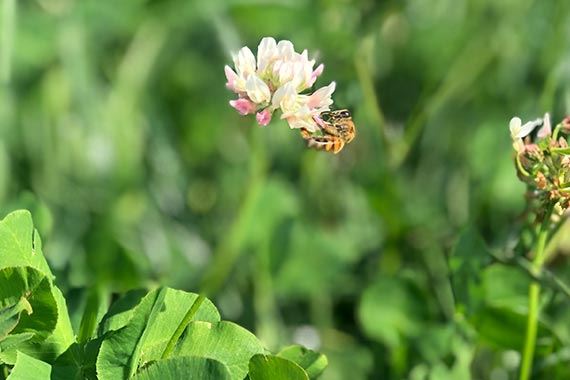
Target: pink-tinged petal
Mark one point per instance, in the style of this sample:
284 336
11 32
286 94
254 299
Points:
322 97
263 117
316 73
243 106
546 129
231 76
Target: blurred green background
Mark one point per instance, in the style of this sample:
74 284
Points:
115 131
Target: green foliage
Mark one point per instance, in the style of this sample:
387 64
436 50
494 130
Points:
273 367
185 367
116 134
34 314
389 313
27 367
132 338
312 362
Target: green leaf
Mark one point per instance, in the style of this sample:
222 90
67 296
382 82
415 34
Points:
390 310
9 346
120 352
224 341
147 332
29 368
46 332
20 244
184 367
77 362
26 289
10 316
62 336
314 363
121 311
266 367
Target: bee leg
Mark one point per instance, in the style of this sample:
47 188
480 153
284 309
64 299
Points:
331 129
308 136
305 134
328 143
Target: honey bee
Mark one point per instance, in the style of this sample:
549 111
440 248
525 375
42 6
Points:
337 131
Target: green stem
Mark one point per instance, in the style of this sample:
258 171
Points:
182 326
95 305
560 150
533 299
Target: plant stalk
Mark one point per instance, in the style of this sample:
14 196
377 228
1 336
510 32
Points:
533 299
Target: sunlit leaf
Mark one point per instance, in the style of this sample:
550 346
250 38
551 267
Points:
184 367
145 336
224 341
314 363
28 368
265 367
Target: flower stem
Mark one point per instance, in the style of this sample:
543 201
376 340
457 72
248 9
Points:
182 326
533 299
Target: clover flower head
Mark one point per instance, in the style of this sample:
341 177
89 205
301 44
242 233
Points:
277 78
543 160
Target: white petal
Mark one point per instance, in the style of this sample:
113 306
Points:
286 98
299 111
299 122
244 62
518 145
285 72
515 126
257 90
266 53
528 127
277 97
285 49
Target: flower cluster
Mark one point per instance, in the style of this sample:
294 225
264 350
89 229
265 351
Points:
543 160
277 79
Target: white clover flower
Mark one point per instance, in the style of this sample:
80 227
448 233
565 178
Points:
520 130
300 111
276 79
